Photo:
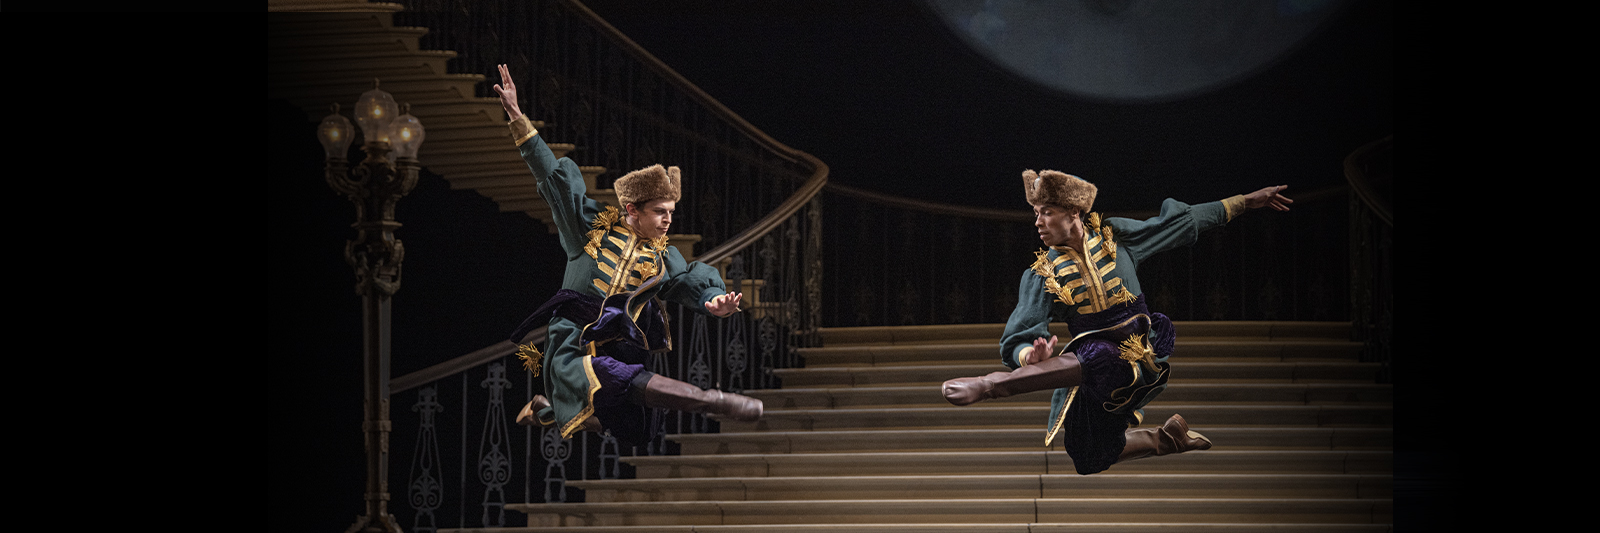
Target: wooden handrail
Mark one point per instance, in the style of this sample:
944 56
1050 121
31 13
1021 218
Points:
1355 172
812 186
1020 214
462 363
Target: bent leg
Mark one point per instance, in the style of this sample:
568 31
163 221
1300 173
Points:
1174 436
529 416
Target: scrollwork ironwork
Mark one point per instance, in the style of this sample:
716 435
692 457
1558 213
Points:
494 463
426 489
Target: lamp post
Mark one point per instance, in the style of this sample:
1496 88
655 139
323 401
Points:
374 186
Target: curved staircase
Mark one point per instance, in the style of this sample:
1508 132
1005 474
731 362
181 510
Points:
861 441
330 51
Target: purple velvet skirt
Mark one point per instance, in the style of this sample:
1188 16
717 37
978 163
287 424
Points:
1094 426
622 351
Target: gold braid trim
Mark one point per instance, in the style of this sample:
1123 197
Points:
653 250
647 270
1105 235
1233 206
1055 428
1063 294
521 130
1042 267
1041 264
532 358
602 224
1122 296
576 424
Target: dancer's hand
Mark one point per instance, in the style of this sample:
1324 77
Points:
1268 197
1042 349
724 305
508 93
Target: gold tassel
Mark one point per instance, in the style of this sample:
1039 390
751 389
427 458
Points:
532 358
1096 224
602 225
646 270
1041 265
1135 349
1122 296
1054 287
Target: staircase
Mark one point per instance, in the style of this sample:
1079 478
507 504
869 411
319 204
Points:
321 52
861 441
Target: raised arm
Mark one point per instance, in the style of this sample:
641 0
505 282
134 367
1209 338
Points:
560 181
508 93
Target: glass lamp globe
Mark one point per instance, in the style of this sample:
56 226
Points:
375 111
406 134
335 132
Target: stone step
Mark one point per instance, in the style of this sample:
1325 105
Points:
1184 371
1017 439
1104 485
980 511
412 89
928 396
1217 330
1000 462
1029 527
353 38
1257 351
1036 414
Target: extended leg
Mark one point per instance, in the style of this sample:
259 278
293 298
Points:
662 391
1174 436
1052 373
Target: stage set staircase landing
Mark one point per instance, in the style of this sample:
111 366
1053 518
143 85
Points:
860 440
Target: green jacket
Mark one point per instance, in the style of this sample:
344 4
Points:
1059 285
604 257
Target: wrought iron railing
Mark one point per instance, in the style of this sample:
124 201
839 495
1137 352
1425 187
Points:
892 261
1370 171
753 201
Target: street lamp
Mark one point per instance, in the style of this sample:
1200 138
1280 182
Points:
374 186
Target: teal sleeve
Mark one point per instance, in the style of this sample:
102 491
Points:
690 284
1178 225
562 187
1030 320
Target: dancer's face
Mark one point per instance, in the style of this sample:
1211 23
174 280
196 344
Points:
651 219
1058 226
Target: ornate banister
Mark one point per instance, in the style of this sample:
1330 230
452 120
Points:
611 106
1370 172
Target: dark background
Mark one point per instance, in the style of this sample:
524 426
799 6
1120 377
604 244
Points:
878 90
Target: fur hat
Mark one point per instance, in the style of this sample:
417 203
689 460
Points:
1050 187
649 183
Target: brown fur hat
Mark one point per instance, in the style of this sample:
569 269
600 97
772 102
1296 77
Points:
649 183
1050 187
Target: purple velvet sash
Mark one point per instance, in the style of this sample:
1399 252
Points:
1097 340
607 320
